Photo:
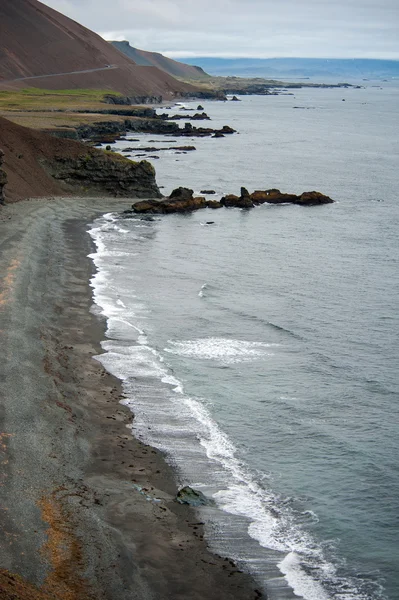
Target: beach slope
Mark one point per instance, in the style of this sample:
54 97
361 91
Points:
87 511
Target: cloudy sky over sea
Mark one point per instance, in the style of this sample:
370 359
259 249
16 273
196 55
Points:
250 28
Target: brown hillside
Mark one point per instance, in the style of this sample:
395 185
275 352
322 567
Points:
27 151
155 59
39 41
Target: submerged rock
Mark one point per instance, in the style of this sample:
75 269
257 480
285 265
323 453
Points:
188 495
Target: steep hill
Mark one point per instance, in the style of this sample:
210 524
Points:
155 59
55 52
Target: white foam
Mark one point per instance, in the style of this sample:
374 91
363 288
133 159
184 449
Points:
220 349
175 383
302 584
201 292
110 216
130 361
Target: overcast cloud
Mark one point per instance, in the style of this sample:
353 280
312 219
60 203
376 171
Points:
250 28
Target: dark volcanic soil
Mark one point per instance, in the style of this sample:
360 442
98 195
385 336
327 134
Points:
87 511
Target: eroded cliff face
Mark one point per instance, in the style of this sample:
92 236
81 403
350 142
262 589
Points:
3 178
104 173
39 165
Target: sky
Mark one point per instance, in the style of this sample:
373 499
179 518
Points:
245 28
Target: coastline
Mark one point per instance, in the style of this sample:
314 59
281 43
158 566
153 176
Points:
88 511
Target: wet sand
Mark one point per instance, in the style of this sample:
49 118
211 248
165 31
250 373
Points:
86 510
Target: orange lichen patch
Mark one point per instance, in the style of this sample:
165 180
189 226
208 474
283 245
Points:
7 283
13 587
3 441
63 552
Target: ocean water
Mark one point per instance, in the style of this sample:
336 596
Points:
260 352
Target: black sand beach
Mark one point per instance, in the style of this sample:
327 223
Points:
87 511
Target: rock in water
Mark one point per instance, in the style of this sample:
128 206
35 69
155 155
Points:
181 193
188 495
313 199
235 201
273 196
214 204
169 205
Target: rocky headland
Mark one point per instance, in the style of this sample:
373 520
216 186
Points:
37 165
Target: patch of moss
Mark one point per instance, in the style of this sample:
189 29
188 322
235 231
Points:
119 158
35 98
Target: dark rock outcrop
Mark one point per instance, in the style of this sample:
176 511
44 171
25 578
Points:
181 193
154 149
116 99
3 178
95 172
214 204
182 200
237 201
109 131
169 205
189 130
175 206
196 117
274 196
188 495
313 199
207 192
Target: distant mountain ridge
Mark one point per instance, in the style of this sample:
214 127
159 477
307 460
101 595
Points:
41 43
277 68
155 59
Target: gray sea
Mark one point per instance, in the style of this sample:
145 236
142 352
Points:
260 352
